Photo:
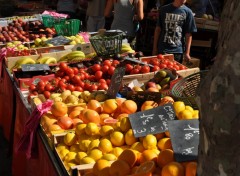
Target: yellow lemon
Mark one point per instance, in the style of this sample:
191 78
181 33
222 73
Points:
87 160
70 138
125 124
83 145
92 129
189 108
185 115
117 151
129 137
94 144
70 157
63 153
80 128
95 154
82 137
116 126
156 151
178 106
106 130
105 145
69 165
117 138
74 148
164 143
61 146
149 142
109 157
79 156
101 167
195 114
138 146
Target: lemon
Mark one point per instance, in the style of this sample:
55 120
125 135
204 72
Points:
195 114
95 154
61 146
80 128
156 151
164 143
83 145
106 130
117 138
70 138
149 142
70 157
83 136
63 153
189 108
185 114
69 165
138 146
178 106
105 145
74 148
94 144
117 151
116 126
92 129
125 124
129 137
87 160
79 156
109 157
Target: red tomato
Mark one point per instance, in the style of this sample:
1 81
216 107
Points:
41 89
115 63
70 87
41 83
55 82
98 75
80 83
129 68
82 76
170 63
62 84
60 73
102 86
79 88
63 66
75 70
138 67
92 78
134 71
162 66
93 87
111 70
35 93
48 87
182 67
46 94
145 69
155 68
108 81
87 86
67 78
105 68
69 71
76 79
165 61
86 75
102 80
154 61
170 67
176 67
160 56
107 62
32 87
96 67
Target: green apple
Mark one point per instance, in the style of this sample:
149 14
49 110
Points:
37 41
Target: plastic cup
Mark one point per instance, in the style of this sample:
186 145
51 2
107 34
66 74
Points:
73 26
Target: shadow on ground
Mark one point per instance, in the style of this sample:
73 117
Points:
5 158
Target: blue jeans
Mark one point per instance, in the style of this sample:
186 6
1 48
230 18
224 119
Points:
94 23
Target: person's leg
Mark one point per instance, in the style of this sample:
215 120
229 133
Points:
91 24
178 57
101 23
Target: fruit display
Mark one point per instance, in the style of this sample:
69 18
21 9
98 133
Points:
74 56
23 60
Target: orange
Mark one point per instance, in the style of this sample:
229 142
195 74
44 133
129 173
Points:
54 127
191 169
148 103
94 105
152 89
110 106
76 121
119 168
78 108
120 116
74 114
65 122
59 109
103 116
146 167
148 155
166 100
166 156
129 107
167 134
173 169
129 156
164 143
90 116
159 135
101 167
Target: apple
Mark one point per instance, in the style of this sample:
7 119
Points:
151 84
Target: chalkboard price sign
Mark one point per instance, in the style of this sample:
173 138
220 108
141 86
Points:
185 139
137 61
116 81
35 67
152 121
59 40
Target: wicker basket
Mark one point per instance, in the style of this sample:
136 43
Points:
107 44
186 89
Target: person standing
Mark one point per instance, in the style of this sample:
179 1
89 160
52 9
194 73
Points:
173 33
125 12
95 15
68 7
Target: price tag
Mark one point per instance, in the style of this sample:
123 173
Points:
59 40
137 61
35 67
152 121
185 139
116 81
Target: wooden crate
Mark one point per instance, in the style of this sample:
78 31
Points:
207 24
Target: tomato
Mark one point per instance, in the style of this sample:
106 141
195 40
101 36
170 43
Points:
63 66
46 94
70 87
62 84
86 75
162 66
98 75
105 68
32 87
82 76
134 71
59 73
41 83
80 83
87 86
76 78
67 78
145 69
35 92
155 68
69 71
160 56
103 86
107 62
78 88
93 87
75 70
48 87
170 67
55 82
111 70
108 81
154 61
182 67
96 67
170 63
92 78
102 80
129 68
115 63
138 67
176 67
41 89
165 61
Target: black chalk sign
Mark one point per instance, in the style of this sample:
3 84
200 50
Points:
152 121
185 139
35 67
137 61
116 81
59 40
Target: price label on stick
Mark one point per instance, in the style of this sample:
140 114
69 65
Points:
116 81
35 67
152 121
185 139
137 61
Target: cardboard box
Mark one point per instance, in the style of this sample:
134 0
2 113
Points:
86 48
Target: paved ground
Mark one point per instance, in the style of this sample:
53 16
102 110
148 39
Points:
5 159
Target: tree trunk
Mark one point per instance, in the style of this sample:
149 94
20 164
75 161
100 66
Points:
219 100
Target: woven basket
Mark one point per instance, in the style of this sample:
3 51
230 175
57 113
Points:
186 89
107 44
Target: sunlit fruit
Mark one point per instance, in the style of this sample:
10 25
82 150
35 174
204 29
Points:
65 122
90 116
94 105
129 107
59 109
110 106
